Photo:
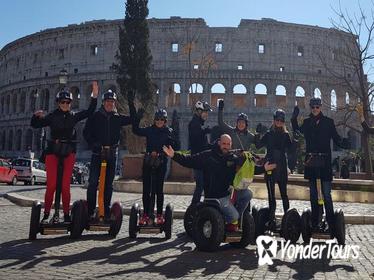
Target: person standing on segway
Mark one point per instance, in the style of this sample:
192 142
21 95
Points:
318 131
241 137
220 165
276 140
198 142
154 165
61 122
102 132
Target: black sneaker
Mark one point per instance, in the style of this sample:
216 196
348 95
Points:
45 218
67 218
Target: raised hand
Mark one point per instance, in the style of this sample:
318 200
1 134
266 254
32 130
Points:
168 151
269 166
295 112
221 104
39 114
95 89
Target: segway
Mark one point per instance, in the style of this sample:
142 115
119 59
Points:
289 227
99 223
188 219
209 227
54 226
317 162
153 160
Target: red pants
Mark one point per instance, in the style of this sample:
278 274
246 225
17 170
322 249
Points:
51 164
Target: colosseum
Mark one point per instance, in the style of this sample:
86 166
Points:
256 67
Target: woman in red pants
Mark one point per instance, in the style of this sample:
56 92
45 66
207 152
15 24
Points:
61 122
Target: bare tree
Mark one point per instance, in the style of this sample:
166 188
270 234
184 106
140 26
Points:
350 66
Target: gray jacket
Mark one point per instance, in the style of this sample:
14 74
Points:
240 140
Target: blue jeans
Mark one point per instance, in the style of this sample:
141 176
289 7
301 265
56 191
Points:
326 191
199 178
93 181
234 212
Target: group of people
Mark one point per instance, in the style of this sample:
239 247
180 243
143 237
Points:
215 164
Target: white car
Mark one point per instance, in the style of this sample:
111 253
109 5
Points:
30 171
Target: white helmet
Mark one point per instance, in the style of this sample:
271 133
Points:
203 106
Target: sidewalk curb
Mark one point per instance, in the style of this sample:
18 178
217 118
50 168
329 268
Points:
24 201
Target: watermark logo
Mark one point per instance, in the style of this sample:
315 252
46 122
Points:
267 247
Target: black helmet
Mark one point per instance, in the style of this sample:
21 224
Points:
242 117
315 101
64 94
161 114
203 106
109 95
279 114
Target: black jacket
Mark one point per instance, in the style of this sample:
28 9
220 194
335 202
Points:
197 135
317 139
219 169
156 137
103 129
62 123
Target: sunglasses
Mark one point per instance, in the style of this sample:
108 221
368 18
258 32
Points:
65 102
315 107
159 119
279 120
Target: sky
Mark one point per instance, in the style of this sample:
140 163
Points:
21 17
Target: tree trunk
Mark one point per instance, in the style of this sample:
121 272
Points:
366 152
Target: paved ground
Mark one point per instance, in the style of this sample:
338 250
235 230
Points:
182 201
95 256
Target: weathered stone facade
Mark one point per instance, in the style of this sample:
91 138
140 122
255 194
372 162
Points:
256 67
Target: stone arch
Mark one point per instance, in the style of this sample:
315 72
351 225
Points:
347 98
196 88
218 88
10 140
32 98
7 104
333 100
28 139
14 103
3 140
280 90
176 88
299 92
76 96
239 89
2 104
22 103
261 89
18 140
317 93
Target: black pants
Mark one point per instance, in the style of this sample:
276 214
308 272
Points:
282 184
153 184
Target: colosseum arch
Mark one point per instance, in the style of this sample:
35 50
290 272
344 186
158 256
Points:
22 102
196 88
218 88
2 104
32 99
3 140
280 90
18 140
299 92
261 89
260 95
76 96
333 103
8 104
10 140
239 89
28 139
280 96
347 98
14 103
317 93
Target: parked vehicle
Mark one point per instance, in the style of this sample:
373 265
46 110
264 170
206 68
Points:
7 173
30 171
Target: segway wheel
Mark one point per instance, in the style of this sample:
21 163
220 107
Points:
262 218
248 231
116 217
306 225
133 223
291 225
77 218
339 229
35 220
168 225
85 217
208 229
188 219
255 210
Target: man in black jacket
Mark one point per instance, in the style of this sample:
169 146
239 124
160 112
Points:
198 142
219 165
102 131
318 131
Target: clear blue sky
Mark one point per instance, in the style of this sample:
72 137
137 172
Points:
22 17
